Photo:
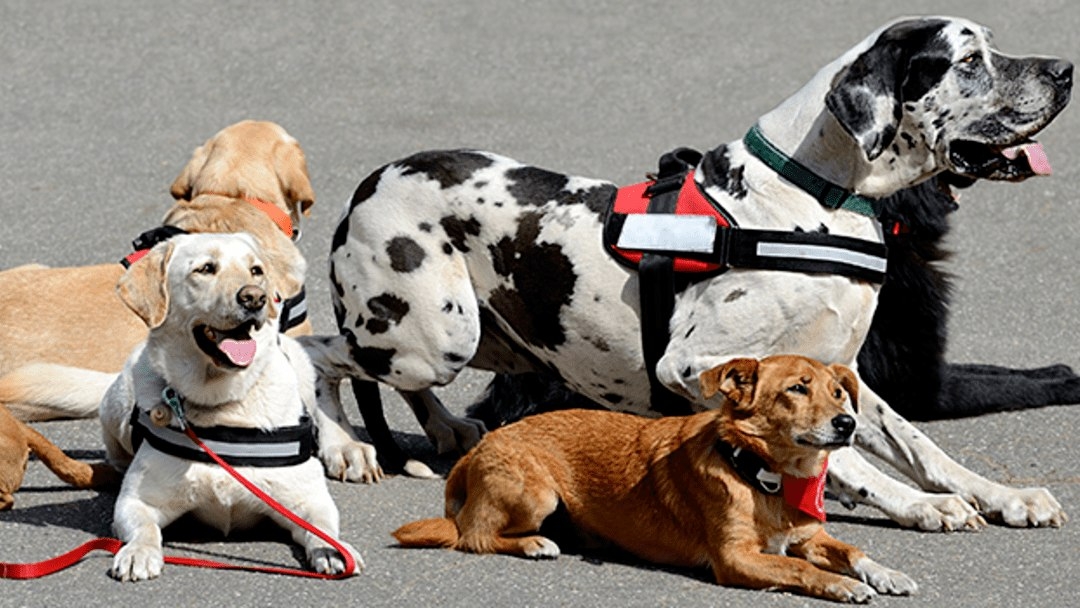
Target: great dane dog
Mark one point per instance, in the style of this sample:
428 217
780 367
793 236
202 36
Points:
454 258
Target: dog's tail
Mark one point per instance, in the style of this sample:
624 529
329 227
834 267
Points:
75 472
45 391
439 532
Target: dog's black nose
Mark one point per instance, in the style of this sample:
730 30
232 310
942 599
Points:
251 297
844 424
1060 71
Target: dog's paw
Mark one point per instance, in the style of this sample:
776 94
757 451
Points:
885 580
326 560
539 547
352 461
850 591
454 434
137 563
1034 507
940 513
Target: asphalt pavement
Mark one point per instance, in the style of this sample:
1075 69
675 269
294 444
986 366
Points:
101 103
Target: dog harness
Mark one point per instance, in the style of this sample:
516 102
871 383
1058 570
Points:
293 310
804 494
668 229
238 446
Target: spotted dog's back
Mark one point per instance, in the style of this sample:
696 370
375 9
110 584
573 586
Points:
411 300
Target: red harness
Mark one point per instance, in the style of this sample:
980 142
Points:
634 199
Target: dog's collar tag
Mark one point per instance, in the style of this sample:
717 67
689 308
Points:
171 398
770 482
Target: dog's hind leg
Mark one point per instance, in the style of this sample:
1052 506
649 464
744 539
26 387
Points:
889 436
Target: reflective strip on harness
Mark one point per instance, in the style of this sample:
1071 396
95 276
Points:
823 254
238 446
657 232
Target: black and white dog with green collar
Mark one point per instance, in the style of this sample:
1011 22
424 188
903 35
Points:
215 361
455 258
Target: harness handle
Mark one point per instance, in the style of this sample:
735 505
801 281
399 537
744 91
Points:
113 545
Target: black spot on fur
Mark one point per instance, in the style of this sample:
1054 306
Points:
405 254
448 307
424 227
459 230
374 361
447 248
386 309
735 295
449 168
366 189
532 186
341 234
612 398
687 372
718 171
543 282
689 331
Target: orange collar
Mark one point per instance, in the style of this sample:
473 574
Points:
272 211
275 213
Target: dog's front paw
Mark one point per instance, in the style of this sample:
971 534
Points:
940 513
454 434
137 563
326 560
1034 507
850 591
351 461
885 580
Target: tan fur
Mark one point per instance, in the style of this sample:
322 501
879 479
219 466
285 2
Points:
660 490
18 441
73 317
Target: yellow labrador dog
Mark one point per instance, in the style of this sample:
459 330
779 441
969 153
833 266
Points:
213 360
250 177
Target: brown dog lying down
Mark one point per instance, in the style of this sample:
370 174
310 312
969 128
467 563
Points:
669 490
17 441
249 177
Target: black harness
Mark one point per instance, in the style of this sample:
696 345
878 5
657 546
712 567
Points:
293 310
671 232
238 446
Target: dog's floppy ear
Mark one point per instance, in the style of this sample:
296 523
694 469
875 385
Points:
291 169
736 379
865 98
144 287
849 381
181 186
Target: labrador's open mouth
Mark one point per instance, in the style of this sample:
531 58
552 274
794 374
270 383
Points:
227 348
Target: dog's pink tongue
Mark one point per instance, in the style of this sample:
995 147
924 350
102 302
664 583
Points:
240 352
1035 155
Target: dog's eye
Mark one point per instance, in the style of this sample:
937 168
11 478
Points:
798 388
207 268
971 58
256 271
839 394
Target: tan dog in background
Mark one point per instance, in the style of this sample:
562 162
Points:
662 490
73 317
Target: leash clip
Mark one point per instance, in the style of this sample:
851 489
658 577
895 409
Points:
171 398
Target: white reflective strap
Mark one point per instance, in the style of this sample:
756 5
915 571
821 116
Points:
235 450
822 253
298 309
667 232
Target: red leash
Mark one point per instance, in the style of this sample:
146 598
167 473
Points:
112 545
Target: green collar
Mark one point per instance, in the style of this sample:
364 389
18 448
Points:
827 193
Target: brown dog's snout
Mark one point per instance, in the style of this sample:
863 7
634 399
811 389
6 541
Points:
251 297
844 424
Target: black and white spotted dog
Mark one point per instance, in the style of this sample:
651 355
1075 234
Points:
455 258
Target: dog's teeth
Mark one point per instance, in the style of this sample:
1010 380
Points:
210 334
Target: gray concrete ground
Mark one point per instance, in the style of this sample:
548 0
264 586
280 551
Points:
102 102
